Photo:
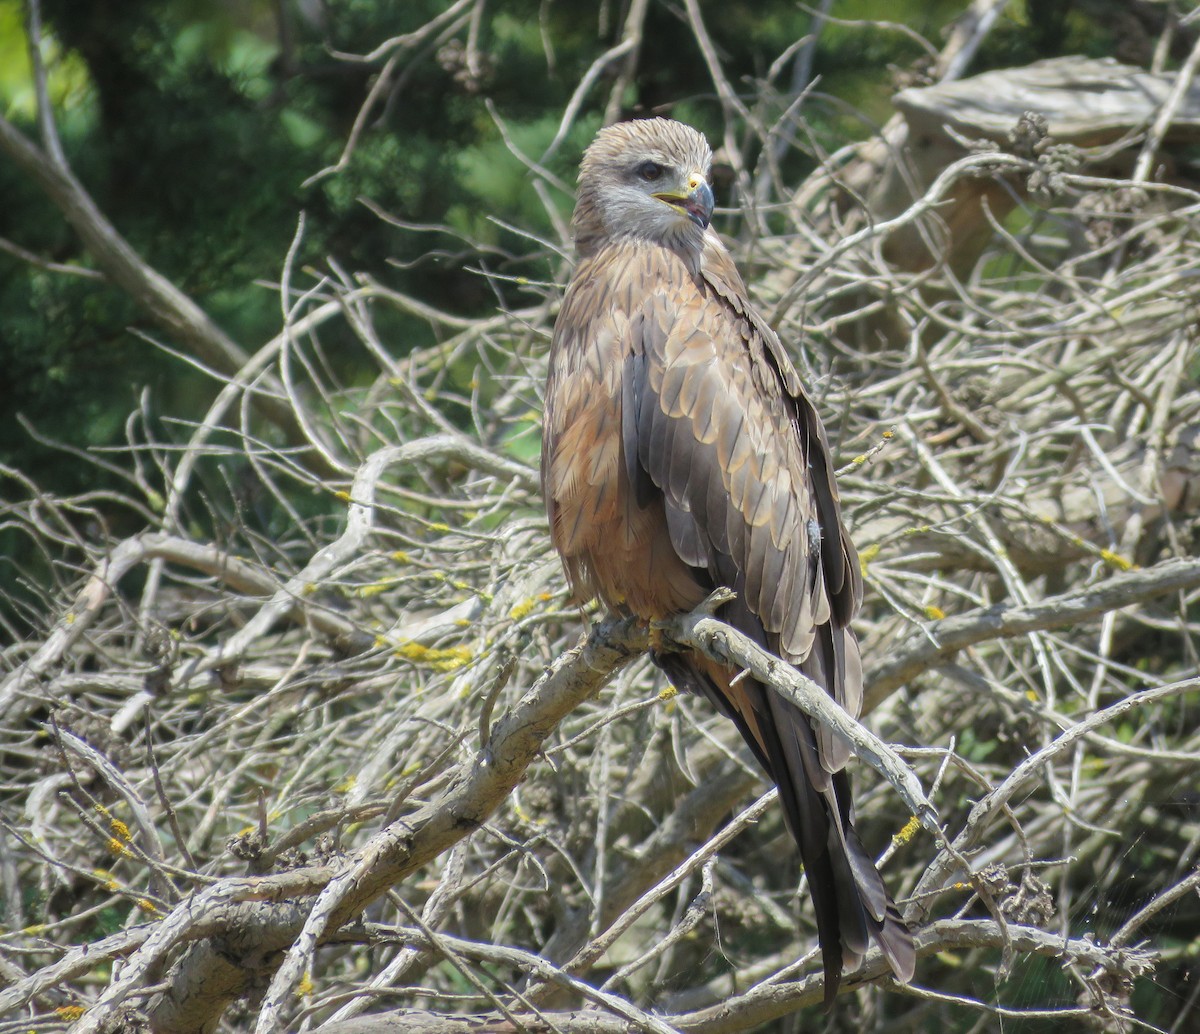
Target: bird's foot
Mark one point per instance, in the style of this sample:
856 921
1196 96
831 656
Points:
715 601
661 637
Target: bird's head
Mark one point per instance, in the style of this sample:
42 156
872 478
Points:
645 179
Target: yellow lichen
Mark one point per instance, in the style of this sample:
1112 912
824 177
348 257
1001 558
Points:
1116 560
865 556
907 833
438 658
375 588
70 1013
522 609
934 613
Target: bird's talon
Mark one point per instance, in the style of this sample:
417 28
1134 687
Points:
715 600
659 641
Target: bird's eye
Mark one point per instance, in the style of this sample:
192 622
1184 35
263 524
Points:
650 171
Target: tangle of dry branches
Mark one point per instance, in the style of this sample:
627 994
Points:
344 763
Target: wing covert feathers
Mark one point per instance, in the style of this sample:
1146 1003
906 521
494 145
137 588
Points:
680 452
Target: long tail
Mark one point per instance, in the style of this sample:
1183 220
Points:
851 903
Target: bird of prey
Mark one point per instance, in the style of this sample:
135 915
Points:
680 453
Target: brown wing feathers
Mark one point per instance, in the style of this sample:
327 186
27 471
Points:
681 453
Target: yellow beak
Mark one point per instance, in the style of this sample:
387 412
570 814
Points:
697 204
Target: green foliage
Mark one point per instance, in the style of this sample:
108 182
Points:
67 79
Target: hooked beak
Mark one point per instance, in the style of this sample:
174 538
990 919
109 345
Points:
697 204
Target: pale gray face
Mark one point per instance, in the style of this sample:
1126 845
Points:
648 179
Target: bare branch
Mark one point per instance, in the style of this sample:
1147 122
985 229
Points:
924 650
